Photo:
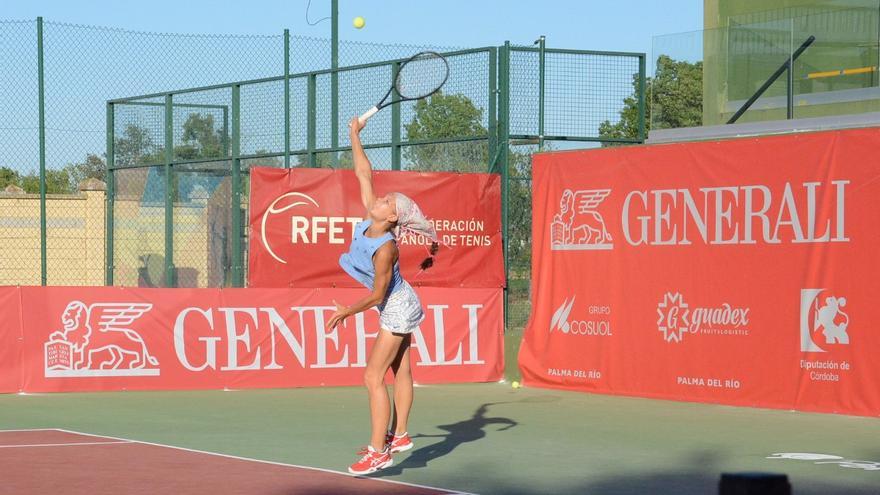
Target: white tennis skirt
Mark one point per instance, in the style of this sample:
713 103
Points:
402 311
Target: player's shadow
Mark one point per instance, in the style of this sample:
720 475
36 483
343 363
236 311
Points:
469 430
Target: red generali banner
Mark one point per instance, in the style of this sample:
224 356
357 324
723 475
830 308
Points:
10 339
740 272
302 220
110 338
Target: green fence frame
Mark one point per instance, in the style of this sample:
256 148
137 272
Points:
498 140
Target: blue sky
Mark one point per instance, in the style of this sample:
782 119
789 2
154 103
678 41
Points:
622 25
75 106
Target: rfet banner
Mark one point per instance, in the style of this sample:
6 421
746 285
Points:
302 220
739 272
106 338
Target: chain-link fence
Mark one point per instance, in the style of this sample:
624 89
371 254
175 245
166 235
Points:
176 163
56 80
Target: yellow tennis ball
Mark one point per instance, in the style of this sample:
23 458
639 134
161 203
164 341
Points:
359 22
515 384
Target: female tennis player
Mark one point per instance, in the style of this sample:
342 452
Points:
373 261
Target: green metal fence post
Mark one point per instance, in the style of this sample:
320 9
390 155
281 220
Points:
42 124
108 200
395 122
286 98
312 122
237 237
493 118
225 131
642 90
169 193
789 80
503 142
541 64
334 82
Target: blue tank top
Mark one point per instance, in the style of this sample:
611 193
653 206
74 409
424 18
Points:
358 261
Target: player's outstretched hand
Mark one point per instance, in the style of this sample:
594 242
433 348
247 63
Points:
355 125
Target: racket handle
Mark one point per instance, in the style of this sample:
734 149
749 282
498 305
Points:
369 113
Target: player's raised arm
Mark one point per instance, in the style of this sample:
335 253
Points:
362 168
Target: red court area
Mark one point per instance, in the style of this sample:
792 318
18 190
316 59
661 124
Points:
57 461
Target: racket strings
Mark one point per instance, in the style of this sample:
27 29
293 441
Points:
421 76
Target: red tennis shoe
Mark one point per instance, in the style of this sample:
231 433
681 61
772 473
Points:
398 443
371 461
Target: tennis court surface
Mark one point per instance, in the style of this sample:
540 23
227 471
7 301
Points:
475 438
60 461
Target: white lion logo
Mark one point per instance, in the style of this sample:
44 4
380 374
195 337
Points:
98 337
578 225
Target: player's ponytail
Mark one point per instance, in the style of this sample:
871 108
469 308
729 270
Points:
429 261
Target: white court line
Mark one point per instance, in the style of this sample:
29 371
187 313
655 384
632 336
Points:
61 444
228 456
29 429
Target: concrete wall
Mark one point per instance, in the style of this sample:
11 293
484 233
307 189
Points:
76 238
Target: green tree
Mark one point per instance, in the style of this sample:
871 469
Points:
9 177
135 147
445 116
57 182
200 139
268 161
63 181
325 160
93 167
676 100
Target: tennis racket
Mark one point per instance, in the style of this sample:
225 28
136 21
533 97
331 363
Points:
418 77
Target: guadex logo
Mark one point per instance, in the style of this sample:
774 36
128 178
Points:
578 225
311 229
597 324
97 340
822 313
675 319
